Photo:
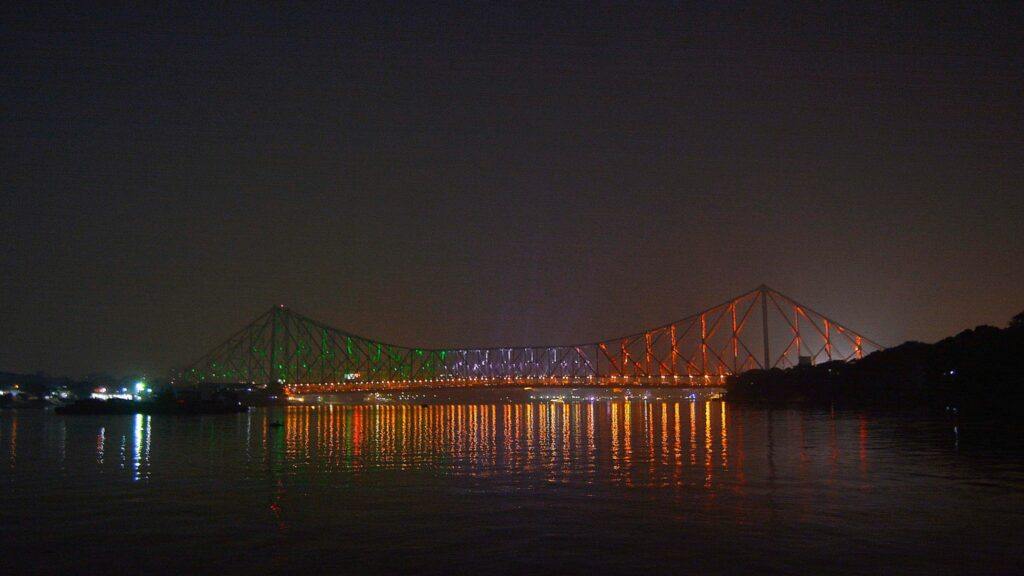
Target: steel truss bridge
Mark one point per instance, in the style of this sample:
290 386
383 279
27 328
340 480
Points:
759 329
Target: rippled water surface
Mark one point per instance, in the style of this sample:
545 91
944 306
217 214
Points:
538 488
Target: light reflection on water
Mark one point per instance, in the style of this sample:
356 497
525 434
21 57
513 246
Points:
613 487
613 443
635 444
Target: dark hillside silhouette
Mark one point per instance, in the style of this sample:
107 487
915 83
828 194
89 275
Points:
978 373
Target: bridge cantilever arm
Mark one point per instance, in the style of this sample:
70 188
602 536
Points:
831 321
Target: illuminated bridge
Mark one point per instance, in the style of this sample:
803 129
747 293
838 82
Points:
761 328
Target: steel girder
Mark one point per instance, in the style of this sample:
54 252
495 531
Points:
761 328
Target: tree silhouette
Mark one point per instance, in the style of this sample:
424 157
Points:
1017 322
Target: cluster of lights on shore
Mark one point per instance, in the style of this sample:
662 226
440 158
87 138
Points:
140 391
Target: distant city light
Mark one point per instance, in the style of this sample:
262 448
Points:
105 396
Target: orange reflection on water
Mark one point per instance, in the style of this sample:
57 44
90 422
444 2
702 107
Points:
627 442
591 442
615 434
664 432
693 433
633 443
677 443
724 435
707 445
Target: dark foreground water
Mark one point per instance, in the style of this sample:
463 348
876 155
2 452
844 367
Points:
532 488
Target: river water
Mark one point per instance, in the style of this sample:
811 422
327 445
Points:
622 487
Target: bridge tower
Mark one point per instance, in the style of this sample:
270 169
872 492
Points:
763 293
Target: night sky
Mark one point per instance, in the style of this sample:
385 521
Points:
500 174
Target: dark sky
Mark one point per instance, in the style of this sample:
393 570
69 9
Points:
500 174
